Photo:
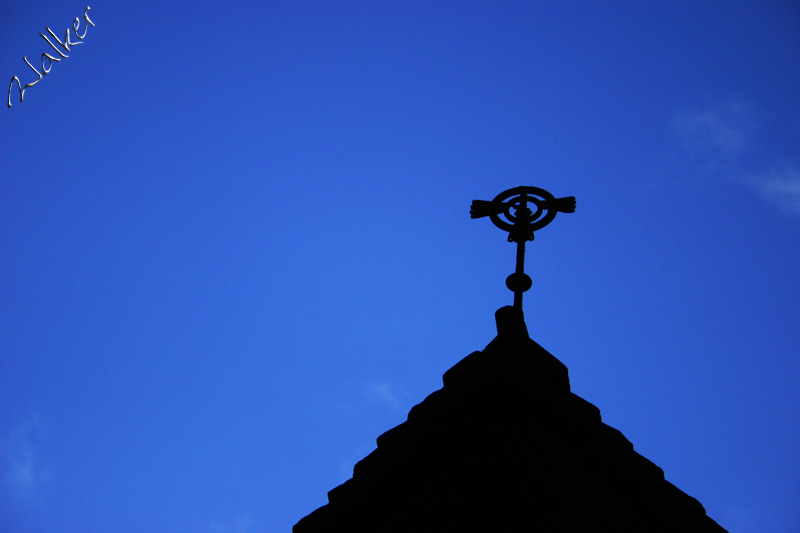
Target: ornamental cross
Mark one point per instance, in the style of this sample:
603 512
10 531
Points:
520 222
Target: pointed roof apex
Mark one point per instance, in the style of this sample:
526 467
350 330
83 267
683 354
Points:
505 446
511 323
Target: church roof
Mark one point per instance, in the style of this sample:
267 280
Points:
505 446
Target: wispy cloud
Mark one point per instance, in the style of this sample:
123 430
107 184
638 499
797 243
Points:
723 137
27 471
386 394
723 129
780 187
241 524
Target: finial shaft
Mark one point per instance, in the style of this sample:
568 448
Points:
520 271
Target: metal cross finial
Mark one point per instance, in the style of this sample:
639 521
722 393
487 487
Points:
521 224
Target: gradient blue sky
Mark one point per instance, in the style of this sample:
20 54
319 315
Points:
235 244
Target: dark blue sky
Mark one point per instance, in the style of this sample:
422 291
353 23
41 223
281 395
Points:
235 243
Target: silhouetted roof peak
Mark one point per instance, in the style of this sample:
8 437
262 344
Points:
504 445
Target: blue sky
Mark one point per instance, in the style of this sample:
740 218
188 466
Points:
235 244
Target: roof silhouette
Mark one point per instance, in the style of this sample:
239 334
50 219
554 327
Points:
505 446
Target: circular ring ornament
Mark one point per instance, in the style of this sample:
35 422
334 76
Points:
512 211
517 199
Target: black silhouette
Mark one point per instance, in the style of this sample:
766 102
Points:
505 446
521 224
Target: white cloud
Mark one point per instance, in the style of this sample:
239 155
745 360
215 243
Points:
723 130
26 469
781 187
723 139
384 392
